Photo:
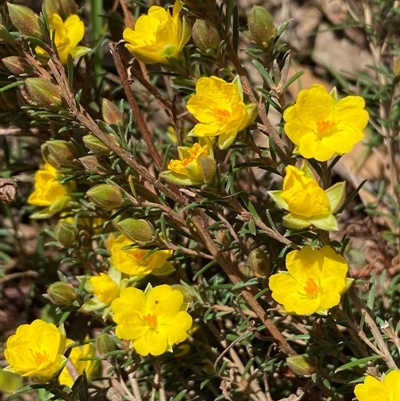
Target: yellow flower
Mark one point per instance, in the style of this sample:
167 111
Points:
219 108
313 283
104 287
136 261
299 186
154 320
47 188
90 367
372 389
36 350
321 126
68 34
196 166
158 36
48 192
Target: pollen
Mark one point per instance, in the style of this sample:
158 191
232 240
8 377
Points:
311 287
41 356
139 254
151 321
223 115
325 128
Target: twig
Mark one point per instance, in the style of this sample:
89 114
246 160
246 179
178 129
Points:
135 386
134 106
384 351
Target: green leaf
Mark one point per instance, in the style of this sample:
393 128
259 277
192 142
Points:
358 362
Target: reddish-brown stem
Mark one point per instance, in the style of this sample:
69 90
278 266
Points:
134 106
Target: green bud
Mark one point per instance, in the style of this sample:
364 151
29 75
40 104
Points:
25 20
16 65
47 156
61 293
105 344
66 234
106 196
63 153
44 93
96 145
136 230
205 36
111 113
301 365
258 263
261 26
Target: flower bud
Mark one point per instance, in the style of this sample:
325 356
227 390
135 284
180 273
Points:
63 153
96 145
64 8
61 293
25 20
136 230
205 36
44 93
105 344
16 65
91 164
106 196
261 26
111 113
258 263
301 365
47 156
66 234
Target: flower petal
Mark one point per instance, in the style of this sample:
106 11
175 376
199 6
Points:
371 390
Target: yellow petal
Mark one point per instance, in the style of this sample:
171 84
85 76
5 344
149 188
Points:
313 105
153 342
177 328
75 29
392 383
371 390
164 303
311 146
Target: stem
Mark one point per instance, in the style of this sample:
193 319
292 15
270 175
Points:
134 106
96 9
384 350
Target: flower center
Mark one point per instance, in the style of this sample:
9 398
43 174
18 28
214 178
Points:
311 287
41 356
151 321
222 115
139 255
325 128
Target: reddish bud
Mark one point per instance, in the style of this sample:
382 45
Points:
25 20
44 93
